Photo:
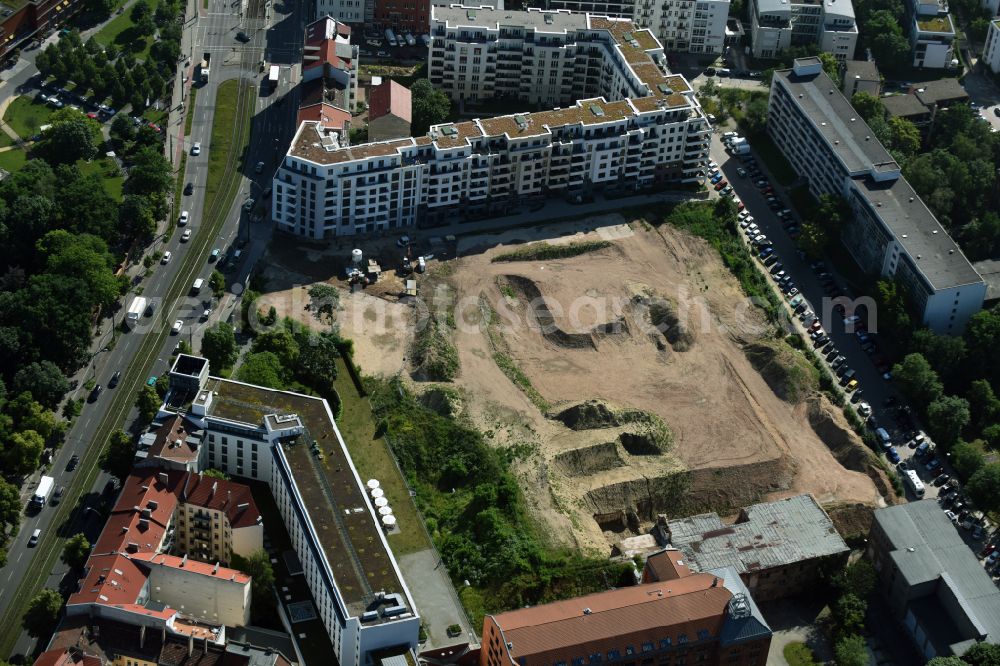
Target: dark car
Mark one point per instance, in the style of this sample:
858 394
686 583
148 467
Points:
73 463
242 36
58 495
95 394
189 188
942 479
709 71
113 382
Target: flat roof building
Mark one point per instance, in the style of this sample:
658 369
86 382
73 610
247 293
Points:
778 25
892 233
291 442
936 588
777 548
861 76
634 127
991 51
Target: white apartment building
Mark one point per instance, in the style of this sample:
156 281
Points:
932 34
992 6
291 442
346 11
645 129
991 52
777 25
893 233
694 26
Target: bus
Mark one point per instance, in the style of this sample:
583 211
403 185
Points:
916 485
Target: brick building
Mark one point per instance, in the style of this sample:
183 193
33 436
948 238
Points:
389 112
777 548
404 15
692 618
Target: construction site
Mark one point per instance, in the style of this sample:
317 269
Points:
627 360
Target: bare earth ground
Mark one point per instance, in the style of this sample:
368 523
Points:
734 440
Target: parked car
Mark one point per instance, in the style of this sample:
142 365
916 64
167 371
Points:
113 382
196 148
176 328
74 461
165 259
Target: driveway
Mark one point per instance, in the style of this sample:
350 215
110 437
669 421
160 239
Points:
436 600
985 93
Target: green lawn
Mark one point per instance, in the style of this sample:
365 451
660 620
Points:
222 141
13 160
5 140
373 459
122 33
25 116
108 170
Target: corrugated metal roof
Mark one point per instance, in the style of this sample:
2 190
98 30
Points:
774 534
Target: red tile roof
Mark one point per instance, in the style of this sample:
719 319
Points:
65 657
171 441
390 97
320 44
328 114
687 605
667 564
111 579
234 499
194 566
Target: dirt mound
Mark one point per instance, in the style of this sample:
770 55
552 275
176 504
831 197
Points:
443 400
847 447
661 314
788 373
589 415
853 521
589 459
644 434
687 492
647 435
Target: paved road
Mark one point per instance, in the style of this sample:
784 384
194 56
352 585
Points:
214 30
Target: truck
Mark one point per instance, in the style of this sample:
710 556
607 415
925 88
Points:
135 311
205 66
42 492
272 77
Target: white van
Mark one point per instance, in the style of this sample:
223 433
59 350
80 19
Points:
33 541
196 287
916 485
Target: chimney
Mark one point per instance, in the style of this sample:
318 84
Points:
164 477
204 648
216 569
715 582
163 634
229 497
215 486
190 645
184 559
142 636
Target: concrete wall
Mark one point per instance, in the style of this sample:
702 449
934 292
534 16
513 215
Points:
214 600
248 540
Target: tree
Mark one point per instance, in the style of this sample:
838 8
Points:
917 380
23 453
69 140
945 353
317 362
122 129
982 654
258 567
946 417
868 106
148 403
858 579
851 651
44 381
755 114
75 551
324 299
136 219
43 611
140 10
947 661
429 106
213 473
814 240
984 487
904 136
281 343
849 612
967 458
101 7
262 369
10 505
218 283
150 173
117 459
218 345
884 36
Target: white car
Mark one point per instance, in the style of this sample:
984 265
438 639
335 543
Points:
166 258
186 236
864 409
196 148
176 328
183 219
206 314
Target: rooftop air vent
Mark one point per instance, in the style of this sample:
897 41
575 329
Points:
597 111
522 122
548 19
470 14
449 131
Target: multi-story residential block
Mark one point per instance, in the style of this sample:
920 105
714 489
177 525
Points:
80 641
142 569
403 15
776 25
23 22
291 442
992 6
345 11
892 233
329 87
932 34
921 105
389 111
991 52
779 549
681 25
639 128
937 591
686 618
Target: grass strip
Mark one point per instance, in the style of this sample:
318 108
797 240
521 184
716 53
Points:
25 116
189 111
544 251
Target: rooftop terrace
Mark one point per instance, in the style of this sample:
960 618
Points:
338 507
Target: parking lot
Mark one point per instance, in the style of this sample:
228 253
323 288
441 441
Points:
374 45
812 290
